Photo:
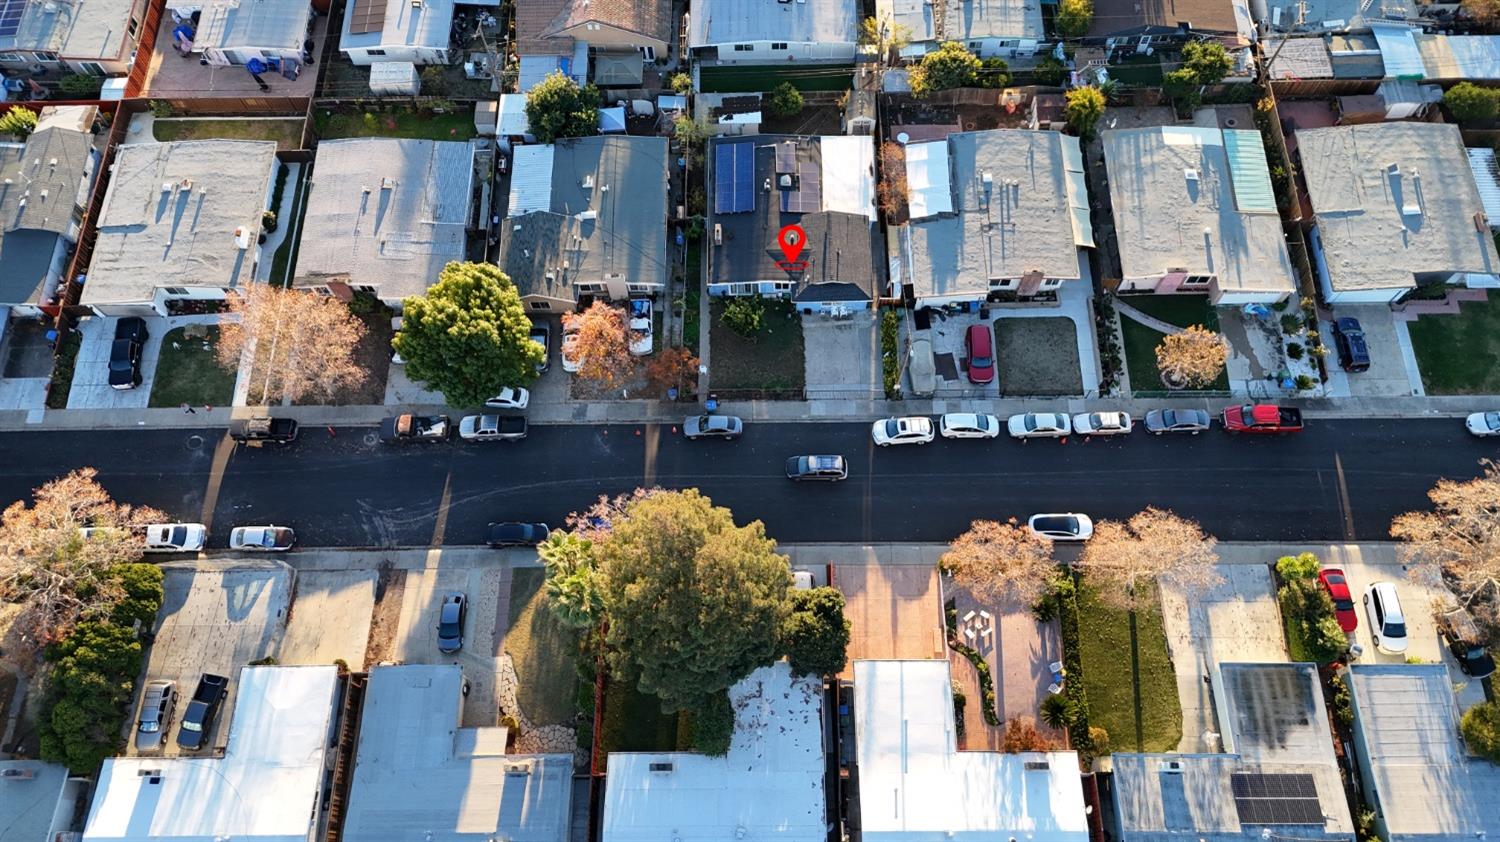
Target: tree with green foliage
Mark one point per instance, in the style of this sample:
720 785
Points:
19 121
1302 566
1469 103
680 83
1050 71
1207 61
695 603
1073 18
1480 726
949 66
572 590
784 101
884 34
994 73
142 595
558 107
1084 108
467 335
690 132
1182 87
93 673
713 724
744 314
815 637
1307 608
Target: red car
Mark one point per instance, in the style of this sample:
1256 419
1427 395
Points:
1261 418
981 344
1338 590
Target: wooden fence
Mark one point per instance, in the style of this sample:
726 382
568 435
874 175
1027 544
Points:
135 82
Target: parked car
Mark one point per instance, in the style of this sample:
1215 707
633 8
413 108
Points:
1349 338
640 326
1461 635
1483 424
1102 423
968 425
197 726
90 533
176 537
1387 623
824 468
541 334
400 429
1343 603
125 353
263 429
450 630
510 398
980 341
1190 421
1263 418
1065 526
492 428
1039 425
921 369
268 539
516 534
158 703
913 429
570 359
713 427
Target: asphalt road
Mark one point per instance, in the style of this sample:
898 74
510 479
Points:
1338 480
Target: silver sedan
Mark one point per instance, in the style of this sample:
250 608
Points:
1190 421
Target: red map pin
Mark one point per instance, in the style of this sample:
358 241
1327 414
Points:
791 239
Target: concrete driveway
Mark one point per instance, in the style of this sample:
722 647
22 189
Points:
488 591
1389 374
842 357
894 611
91 389
330 618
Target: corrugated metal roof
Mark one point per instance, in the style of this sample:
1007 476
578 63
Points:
1398 49
531 180
929 191
512 120
1487 179
1248 173
1076 184
1299 58
1478 55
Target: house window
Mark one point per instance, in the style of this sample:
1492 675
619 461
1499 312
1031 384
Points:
176 291
639 289
589 288
973 46
44 56
1051 282
374 52
364 288
541 305
783 286
92 68
12 57
648 53
744 48
1197 280
779 45
1002 283
134 25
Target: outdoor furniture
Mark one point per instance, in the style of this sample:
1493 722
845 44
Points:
1054 688
1056 668
989 631
968 617
985 615
969 633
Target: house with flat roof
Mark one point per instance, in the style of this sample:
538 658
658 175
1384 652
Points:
37 800
989 28
92 37
1395 207
615 38
1418 775
1322 16
44 185
1277 775
1129 23
826 186
421 32
419 775
999 215
1194 212
180 221
587 217
770 784
385 215
772 32
231 32
267 786
916 786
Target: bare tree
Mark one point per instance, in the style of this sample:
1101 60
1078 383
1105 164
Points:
1001 563
672 367
600 348
891 191
300 344
48 566
1193 357
1458 544
1125 560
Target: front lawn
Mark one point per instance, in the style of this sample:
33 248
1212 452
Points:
448 126
1140 341
1037 357
188 370
771 360
286 132
542 650
1128 679
1459 355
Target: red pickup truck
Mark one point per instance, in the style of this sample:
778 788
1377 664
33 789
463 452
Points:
1262 418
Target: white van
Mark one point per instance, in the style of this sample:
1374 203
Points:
1387 623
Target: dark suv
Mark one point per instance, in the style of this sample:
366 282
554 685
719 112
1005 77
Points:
1354 355
1461 635
125 353
825 468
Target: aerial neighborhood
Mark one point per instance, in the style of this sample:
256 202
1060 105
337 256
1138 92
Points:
749 421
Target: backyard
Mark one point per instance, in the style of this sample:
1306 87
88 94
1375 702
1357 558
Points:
453 125
542 651
806 78
769 360
1127 675
188 371
286 132
1140 341
1459 355
1037 357
633 721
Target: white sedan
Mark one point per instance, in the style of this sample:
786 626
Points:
913 429
570 352
1039 425
1484 424
176 537
266 539
509 398
1066 526
1102 423
968 425
640 326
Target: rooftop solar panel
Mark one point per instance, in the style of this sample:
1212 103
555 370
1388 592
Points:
1276 799
734 176
808 197
786 157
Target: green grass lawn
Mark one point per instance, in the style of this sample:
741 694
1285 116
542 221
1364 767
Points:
1140 341
1110 669
286 132
633 721
769 360
189 371
542 650
733 79
690 299
1459 355
1180 310
450 126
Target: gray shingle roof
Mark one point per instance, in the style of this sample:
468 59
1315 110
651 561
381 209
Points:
42 179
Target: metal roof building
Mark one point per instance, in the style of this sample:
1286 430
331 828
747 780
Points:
268 25
963 20
37 800
730 21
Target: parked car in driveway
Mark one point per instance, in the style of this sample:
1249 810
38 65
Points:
980 341
1387 623
1190 421
197 728
511 534
158 703
267 539
712 427
400 429
541 334
816 468
125 353
921 368
1065 526
570 360
913 429
639 326
450 630
1483 424
1039 425
1463 639
176 537
1349 338
1102 423
492 428
968 425
1333 581
509 398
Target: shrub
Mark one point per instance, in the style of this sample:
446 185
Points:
1481 729
161 108
18 121
1469 103
1304 566
744 314
784 101
1306 383
1291 323
1099 740
1050 72
890 353
1294 350
994 73
81 86
268 221
1058 711
680 83
960 701
1313 633
713 725
1343 707
89 689
434 82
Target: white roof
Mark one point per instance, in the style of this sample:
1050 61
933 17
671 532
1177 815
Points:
849 174
427 24
928 190
513 120
419 776
770 783
531 180
1487 180
1398 49
965 20
265 788
915 786
263 24
730 21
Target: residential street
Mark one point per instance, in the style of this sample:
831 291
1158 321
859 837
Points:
1339 480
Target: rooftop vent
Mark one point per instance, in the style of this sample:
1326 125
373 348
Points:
1172 767
187 184
784 182
517 769
17 774
388 184
588 182
662 767
1190 175
243 238
166 186
1037 766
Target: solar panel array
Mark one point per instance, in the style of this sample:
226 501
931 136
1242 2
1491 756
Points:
734 178
1276 799
786 157
808 196
367 16
10 16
